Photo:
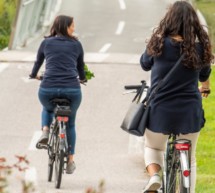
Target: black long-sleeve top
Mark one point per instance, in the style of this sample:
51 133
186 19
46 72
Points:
64 62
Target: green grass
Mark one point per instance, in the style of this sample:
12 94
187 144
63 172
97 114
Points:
206 145
207 7
7 14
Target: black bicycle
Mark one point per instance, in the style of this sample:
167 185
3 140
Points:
177 159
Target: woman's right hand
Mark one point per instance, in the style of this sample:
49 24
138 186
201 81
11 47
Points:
205 91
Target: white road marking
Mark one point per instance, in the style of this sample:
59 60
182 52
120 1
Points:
122 4
96 57
3 67
31 175
105 48
120 27
34 140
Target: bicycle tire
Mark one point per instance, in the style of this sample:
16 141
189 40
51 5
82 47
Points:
51 153
50 169
59 164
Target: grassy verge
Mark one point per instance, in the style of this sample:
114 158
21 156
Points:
206 145
207 7
205 149
7 14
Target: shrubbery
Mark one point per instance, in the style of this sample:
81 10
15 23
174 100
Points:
7 15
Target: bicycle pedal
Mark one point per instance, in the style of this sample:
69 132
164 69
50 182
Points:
41 146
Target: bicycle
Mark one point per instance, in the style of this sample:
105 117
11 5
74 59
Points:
177 159
57 145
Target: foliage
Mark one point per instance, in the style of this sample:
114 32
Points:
89 74
6 170
207 7
101 188
205 149
7 15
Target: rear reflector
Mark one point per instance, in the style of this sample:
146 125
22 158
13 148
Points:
64 119
62 135
186 173
182 146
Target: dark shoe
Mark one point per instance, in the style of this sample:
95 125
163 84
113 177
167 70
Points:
70 168
42 142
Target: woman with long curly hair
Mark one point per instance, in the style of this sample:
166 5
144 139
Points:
177 107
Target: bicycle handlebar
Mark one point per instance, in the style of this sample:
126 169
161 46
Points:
136 87
41 78
131 87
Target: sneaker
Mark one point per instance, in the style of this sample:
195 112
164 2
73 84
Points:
154 184
70 168
42 142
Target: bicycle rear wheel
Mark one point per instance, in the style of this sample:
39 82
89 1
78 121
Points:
176 183
174 175
59 164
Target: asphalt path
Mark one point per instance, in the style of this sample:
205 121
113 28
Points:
103 150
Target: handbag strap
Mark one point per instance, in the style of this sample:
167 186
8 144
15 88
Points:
165 79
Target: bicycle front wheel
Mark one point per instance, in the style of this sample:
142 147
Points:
59 164
50 169
51 153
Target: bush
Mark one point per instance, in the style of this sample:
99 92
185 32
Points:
7 15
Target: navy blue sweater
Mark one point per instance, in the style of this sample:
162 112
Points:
64 62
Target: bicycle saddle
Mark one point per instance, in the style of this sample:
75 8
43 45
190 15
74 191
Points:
60 101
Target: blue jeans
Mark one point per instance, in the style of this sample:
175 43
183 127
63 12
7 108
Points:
74 95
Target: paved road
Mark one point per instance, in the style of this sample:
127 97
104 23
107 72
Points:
102 148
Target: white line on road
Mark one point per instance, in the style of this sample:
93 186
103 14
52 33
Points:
120 27
34 140
105 48
3 67
122 4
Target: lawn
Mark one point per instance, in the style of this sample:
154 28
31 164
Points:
206 145
207 7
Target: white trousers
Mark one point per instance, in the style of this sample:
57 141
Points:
155 145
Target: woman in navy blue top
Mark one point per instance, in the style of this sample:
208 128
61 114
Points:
64 71
177 107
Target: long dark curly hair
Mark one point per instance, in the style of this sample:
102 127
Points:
60 25
181 19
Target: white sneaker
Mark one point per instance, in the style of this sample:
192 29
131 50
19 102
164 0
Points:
70 168
154 183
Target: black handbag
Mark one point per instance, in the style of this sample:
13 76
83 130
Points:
137 116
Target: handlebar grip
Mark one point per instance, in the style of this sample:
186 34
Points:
131 87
